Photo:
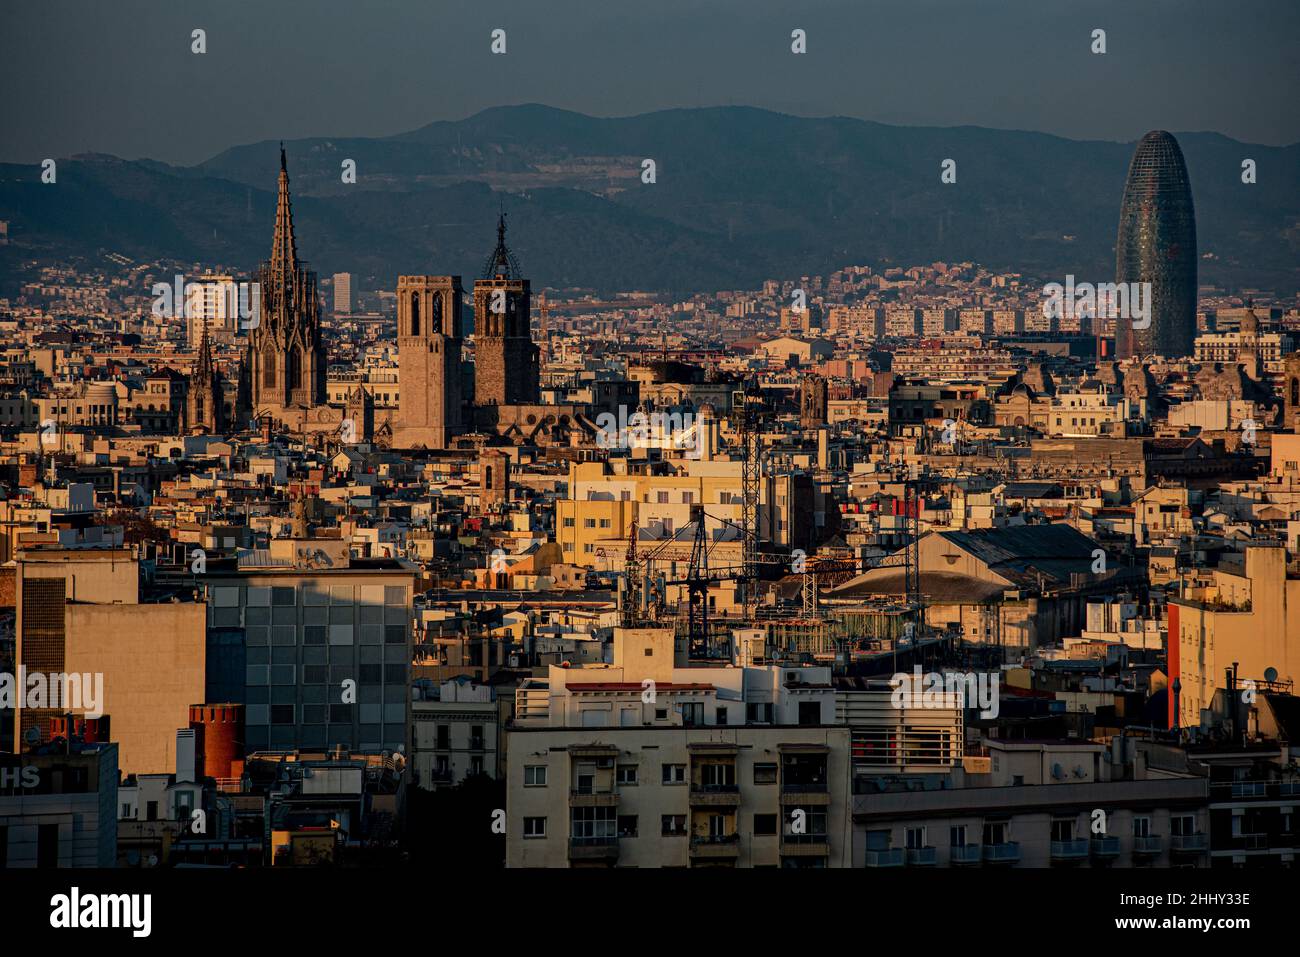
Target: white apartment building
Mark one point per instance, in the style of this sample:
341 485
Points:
655 762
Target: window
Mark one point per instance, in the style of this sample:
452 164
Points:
443 740
915 838
760 713
594 825
151 811
47 844
534 827
662 498
1182 825
673 824
764 773
627 825
957 835
721 717
995 832
588 523
814 826
626 774
764 824
718 775
1141 827
674 774
1063 829
810 712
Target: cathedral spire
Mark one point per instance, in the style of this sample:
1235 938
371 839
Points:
284 249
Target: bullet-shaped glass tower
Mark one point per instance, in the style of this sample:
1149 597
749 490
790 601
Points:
1157 244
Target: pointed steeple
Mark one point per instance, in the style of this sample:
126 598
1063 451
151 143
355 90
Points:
284 249
204 371
502 263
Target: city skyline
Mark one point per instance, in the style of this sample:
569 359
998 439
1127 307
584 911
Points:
627 485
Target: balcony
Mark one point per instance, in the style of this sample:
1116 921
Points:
889 857
715 795
805 794
805 845
1069 851
477 744
1105 848
593 849
921 857
1007 852
1251 842
964 855
1189 843
591 797
715 847
1149 846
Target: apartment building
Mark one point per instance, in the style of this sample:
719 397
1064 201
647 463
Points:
1027 803
1233 618
455 732
327 644
653 761
142 661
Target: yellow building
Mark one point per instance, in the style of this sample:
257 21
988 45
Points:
142 664
1247 616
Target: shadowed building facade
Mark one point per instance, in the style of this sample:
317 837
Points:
1157 244
429 351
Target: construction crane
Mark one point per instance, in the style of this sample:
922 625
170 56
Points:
751 473
817 570
631 580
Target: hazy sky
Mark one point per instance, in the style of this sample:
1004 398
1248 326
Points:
117 76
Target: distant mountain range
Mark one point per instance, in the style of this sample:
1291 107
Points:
741 194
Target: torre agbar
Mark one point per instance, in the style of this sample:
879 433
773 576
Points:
1157 244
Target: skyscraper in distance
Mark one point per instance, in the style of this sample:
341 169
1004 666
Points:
1157 244
343 293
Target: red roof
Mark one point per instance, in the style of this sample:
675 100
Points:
634 686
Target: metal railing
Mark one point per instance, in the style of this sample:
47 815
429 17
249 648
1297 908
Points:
1004 853
1069 850
1150 844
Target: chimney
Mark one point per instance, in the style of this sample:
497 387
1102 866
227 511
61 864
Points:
186 755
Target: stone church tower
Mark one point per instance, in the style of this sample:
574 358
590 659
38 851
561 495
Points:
205 408
506 361
428 347
286 358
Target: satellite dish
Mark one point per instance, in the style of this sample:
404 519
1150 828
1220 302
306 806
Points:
1270 675
32 736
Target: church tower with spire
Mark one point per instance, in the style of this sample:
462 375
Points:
286 358
506 363
205 410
